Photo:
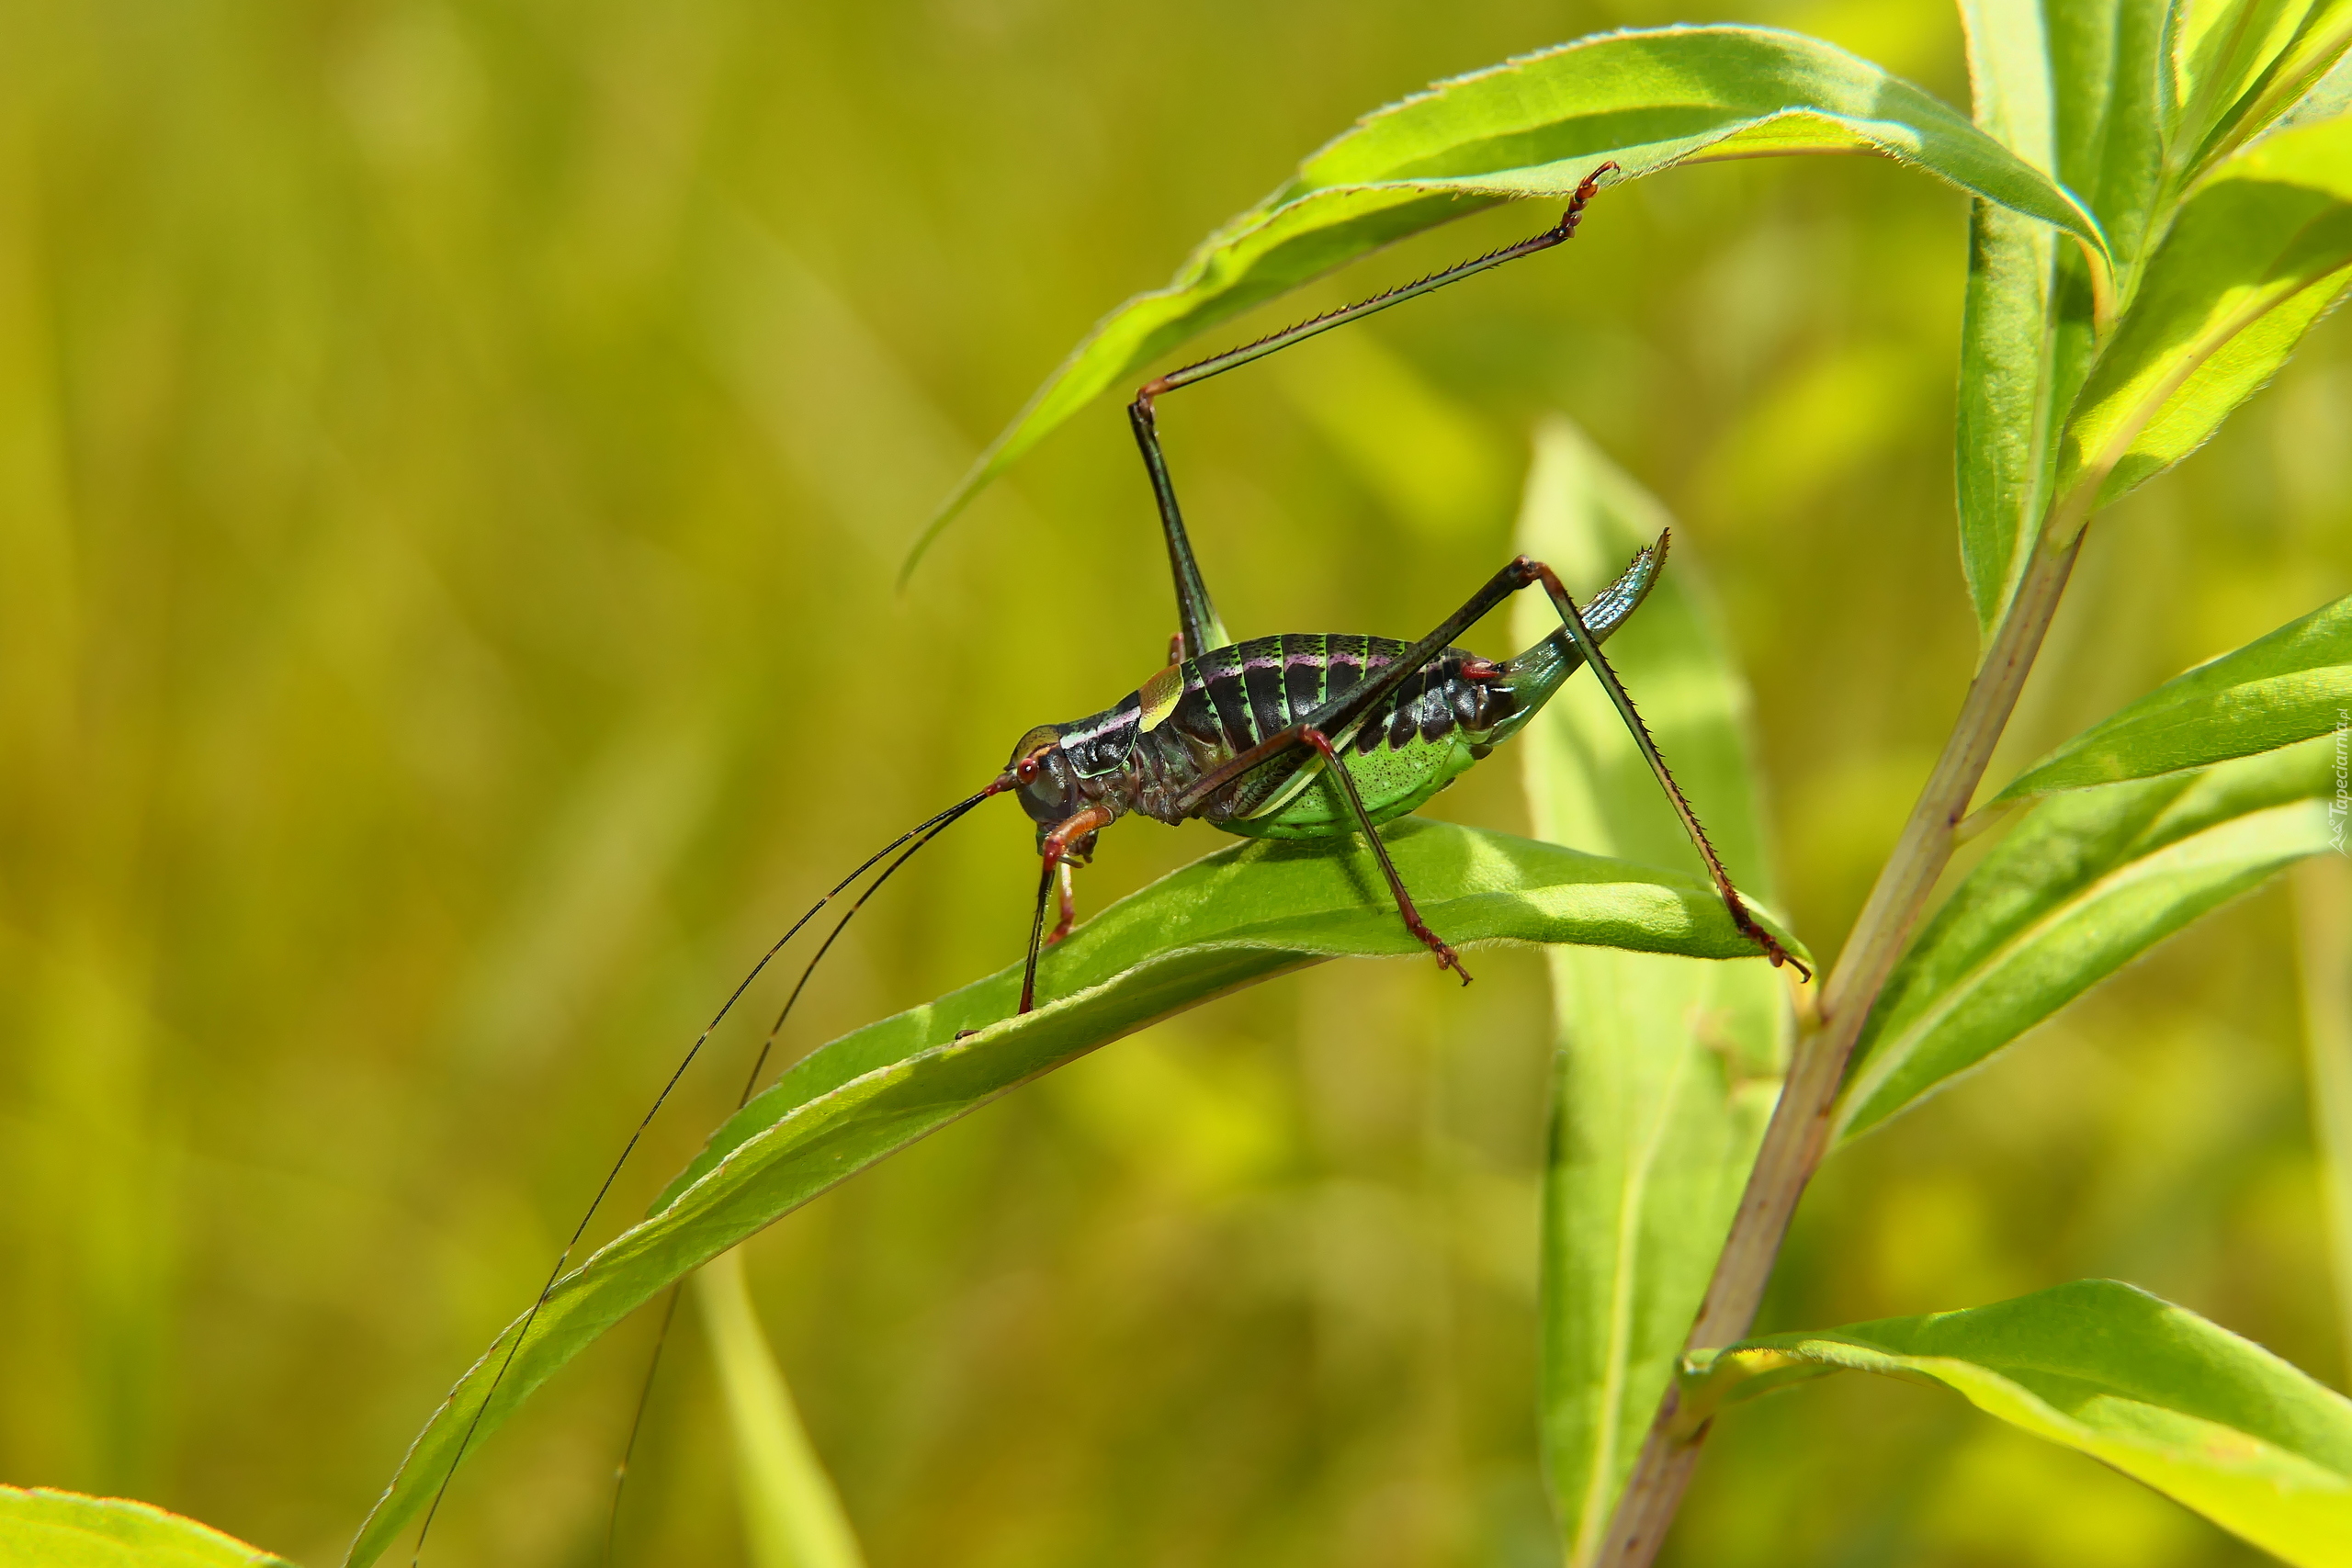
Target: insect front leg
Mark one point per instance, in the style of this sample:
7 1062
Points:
1081 853
1076 835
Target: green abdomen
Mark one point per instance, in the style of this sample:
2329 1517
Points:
1393 782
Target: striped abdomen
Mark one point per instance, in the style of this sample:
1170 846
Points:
1146 751
1231 698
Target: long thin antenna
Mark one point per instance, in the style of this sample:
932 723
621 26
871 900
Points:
920 829
636 1421
759 1063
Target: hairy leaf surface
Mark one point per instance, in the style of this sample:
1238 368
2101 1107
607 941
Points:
2086 883
2280 689
1534 128
42 1529
1666 1070
1229 919
2211 1420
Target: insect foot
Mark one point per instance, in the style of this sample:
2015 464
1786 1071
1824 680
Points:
1446 957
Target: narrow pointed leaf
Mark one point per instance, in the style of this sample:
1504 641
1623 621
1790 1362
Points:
2216 51
2211 1420
2283 688
2237 66
2106 77
2261 250
2107 130
1666 1070
792 1514
42 1528
1229 919
2090 880
1534 128
2006 338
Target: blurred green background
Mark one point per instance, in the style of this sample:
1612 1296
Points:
453 462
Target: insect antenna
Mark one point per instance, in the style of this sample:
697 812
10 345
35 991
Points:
922 833
750 1082
768 1045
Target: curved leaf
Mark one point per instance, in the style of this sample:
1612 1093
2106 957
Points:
2260 251
42 1528
2087 882
1666 1070
2214 1421
1236 916
1533 127
2280 689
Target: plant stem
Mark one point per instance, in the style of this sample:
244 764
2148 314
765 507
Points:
1799 1133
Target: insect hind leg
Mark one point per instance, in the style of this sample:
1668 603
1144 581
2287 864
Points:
1590 646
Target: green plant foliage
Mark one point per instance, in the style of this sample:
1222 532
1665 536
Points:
1534 128
2004 332
42 1529
2087 882
2257 254
1227 921
1666 1070
2233 66
792 1515
2280 689
2210 1419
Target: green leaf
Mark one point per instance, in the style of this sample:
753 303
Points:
2087 882
1229 919
792 1515
2236 66
42 1528
2106 74
2280 689
2214 1421
2006 331
1666 1070
1533 127
2259 252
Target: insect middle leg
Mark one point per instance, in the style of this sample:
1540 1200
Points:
1446 957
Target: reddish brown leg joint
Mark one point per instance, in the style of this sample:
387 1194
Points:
1057 845
1069 907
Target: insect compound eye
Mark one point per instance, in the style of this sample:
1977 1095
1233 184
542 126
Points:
1044 782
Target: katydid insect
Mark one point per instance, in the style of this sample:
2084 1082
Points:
1285 737
1311 736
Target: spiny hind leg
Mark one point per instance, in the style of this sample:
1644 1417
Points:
1201 628
1590 647
1446 957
